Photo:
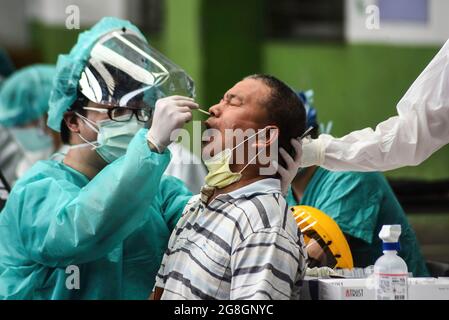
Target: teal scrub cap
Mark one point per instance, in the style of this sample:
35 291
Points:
25 94
70 66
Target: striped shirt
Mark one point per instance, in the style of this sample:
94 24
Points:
242 245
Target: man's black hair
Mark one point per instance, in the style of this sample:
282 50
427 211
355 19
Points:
285 110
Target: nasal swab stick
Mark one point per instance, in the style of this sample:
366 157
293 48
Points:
203 111
306 132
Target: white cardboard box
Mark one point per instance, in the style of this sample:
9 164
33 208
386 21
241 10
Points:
428 289
344 289
358 289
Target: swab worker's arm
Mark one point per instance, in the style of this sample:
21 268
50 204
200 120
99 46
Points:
420 129
62 224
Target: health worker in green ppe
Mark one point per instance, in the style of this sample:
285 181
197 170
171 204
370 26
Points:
359 202
24 100
96 224
10 154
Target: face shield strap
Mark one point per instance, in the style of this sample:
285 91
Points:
93 144
90 124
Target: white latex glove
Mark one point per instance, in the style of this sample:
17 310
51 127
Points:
289 173
170 114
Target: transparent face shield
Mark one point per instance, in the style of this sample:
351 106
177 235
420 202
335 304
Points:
125 71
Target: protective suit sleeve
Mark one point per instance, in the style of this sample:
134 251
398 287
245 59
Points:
175 196
420 129
69 225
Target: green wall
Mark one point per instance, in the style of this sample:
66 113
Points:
355 86
232 44
181 42
51 40
181 38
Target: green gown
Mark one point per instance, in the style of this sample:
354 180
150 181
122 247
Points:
361 203
114 228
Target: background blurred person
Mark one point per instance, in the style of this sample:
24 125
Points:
24 100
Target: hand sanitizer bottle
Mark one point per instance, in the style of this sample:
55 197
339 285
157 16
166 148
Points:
390 270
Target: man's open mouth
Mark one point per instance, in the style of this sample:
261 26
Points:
207 124
208 134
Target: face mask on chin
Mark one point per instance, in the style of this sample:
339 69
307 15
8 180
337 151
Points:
220 174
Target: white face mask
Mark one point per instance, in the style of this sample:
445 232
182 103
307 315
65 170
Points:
36 145
113 137
33 139
220 175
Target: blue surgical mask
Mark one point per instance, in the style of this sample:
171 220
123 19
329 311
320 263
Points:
35 144
113 137
32 139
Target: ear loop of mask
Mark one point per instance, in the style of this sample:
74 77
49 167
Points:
90 124
257 154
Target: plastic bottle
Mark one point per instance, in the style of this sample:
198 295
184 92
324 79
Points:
390 271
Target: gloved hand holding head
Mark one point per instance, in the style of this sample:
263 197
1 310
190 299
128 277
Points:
107 86
260 103
293 164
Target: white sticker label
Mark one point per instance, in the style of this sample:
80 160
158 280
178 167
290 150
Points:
391 286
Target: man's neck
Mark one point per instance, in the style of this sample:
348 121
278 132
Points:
302 179
247 178
88 163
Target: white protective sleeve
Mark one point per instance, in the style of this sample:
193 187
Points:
420 129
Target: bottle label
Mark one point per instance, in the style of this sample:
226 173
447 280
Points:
391 286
